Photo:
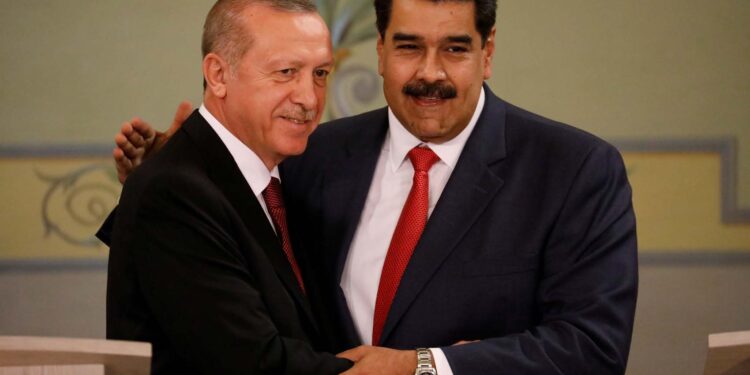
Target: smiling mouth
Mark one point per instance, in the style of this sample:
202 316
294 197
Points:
428 100
296 120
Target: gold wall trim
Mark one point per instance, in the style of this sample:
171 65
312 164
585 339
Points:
731 212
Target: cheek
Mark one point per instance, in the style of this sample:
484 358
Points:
394 83
398 72
320 93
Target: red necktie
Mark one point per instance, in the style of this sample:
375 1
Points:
405 237
275 204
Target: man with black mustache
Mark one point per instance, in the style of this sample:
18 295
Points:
453 217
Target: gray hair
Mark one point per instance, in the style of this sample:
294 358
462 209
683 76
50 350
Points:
224 32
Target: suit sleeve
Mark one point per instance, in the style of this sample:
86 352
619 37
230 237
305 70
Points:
104 233
203 293
587 291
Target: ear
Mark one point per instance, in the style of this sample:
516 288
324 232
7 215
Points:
380 54
215 72
489 51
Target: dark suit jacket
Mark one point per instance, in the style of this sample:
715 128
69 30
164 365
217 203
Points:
530 249
196 269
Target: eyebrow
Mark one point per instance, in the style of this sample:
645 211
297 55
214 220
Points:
296 63
327 64
464 39
402 37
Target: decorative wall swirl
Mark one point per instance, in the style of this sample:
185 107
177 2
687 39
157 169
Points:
354 89
76 203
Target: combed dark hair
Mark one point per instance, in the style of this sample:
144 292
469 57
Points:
484 15
223 31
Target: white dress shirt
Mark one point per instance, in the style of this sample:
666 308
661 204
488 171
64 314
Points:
385 200
253 169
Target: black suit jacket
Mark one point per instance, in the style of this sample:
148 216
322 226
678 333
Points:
196 269
531 248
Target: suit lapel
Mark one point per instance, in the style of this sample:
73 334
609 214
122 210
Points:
470 188
346 186
226 175
348 183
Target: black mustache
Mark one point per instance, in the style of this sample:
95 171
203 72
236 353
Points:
434 90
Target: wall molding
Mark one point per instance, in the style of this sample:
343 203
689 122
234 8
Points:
725 147
676 258
51 265
55 151
731 212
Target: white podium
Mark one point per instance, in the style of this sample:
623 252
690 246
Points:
21 355
728 353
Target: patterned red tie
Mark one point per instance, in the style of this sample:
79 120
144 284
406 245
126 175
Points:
275 204
405 237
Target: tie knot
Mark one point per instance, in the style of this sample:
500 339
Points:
272 194
422 158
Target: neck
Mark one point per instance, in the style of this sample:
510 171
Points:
216 108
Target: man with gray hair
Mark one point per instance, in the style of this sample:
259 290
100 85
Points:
201 264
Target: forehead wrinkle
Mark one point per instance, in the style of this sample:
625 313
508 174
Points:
285 61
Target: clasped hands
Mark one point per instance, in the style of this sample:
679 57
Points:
379 360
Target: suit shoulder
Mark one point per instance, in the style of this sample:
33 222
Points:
175 170
333 138
525 129
343 128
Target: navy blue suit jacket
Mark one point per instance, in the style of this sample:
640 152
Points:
531 248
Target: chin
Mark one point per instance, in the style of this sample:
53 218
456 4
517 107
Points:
429 130
296 149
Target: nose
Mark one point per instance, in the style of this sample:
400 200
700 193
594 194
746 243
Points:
431 68
305 94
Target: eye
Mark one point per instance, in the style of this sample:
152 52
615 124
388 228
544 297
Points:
321 73
287 71
407 46
457 49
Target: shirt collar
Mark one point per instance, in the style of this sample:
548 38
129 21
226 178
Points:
401 141
253 169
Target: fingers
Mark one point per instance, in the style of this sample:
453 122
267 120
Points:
355 354
140 132
143 133
377 360
130 142
137 139
129 150
184 109
124 165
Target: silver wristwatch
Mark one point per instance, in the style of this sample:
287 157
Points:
424 362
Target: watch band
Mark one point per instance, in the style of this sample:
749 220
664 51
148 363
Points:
424 362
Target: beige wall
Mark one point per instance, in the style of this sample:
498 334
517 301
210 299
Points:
633 69
73 70
665 70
